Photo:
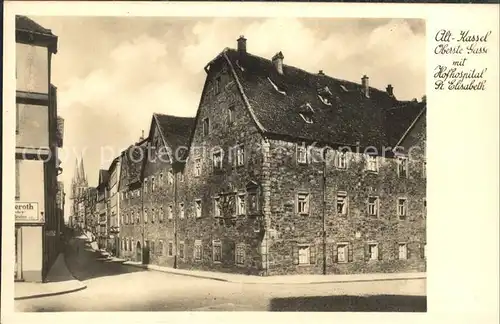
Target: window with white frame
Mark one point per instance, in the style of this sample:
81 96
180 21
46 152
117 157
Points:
240 253
206 126
197 250
160 247
153 184
153 215
217 207
342 252
402 208
373 251
304 254
197 208
230 114
145 215
240 155
160 179
181 249
303 203
402 251
301 154
197 166
170 176
240 204
170 212
371 163
181 176
181 210
342 160
217 251
161 215
145 185
217 160
402 163
373 204
342 203
170 248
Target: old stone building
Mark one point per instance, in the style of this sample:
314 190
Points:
102 208
287 172
131 201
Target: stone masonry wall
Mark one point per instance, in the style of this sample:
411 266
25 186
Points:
357 229
241 229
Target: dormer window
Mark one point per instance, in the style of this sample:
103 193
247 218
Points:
306 112
343 88
239 66
325 95
283 92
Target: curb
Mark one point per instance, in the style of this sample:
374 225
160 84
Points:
60 292
51 294
275 283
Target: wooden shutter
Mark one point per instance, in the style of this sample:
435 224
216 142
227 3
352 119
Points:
379 247
335 253
350 253
312 254
295 254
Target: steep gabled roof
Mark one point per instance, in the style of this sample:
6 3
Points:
103 176
132 160
282 104
26 24
175 131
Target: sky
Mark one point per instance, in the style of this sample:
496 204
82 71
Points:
113 73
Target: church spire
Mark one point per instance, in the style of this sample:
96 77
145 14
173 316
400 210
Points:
82 175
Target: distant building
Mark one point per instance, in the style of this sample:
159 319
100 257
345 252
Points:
79 187
102 208
38 137
113 206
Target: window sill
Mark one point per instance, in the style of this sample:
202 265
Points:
217 262
303 214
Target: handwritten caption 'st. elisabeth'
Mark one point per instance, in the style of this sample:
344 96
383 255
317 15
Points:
461 71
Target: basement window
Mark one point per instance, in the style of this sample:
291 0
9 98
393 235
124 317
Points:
283 92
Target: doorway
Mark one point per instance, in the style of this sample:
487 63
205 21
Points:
138 252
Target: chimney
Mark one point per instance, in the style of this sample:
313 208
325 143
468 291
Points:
390 90
365 85
242 45
278 62
321 72
142 136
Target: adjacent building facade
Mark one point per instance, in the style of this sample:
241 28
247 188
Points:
38 137
281 172
113 207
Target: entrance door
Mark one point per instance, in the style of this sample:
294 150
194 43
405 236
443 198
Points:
138 252
18 273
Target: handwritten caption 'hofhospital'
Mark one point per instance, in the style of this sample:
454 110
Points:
462 71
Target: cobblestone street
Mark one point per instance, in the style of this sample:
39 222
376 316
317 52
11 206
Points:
112 286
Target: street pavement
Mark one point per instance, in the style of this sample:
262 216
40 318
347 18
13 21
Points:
112 286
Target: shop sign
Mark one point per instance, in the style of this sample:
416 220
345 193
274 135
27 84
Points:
27 212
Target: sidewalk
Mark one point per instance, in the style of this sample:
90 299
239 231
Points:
289 279
59 281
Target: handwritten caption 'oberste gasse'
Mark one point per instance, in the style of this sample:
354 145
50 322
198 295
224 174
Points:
459 75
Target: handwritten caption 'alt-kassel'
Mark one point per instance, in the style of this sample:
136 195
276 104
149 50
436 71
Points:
461 73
